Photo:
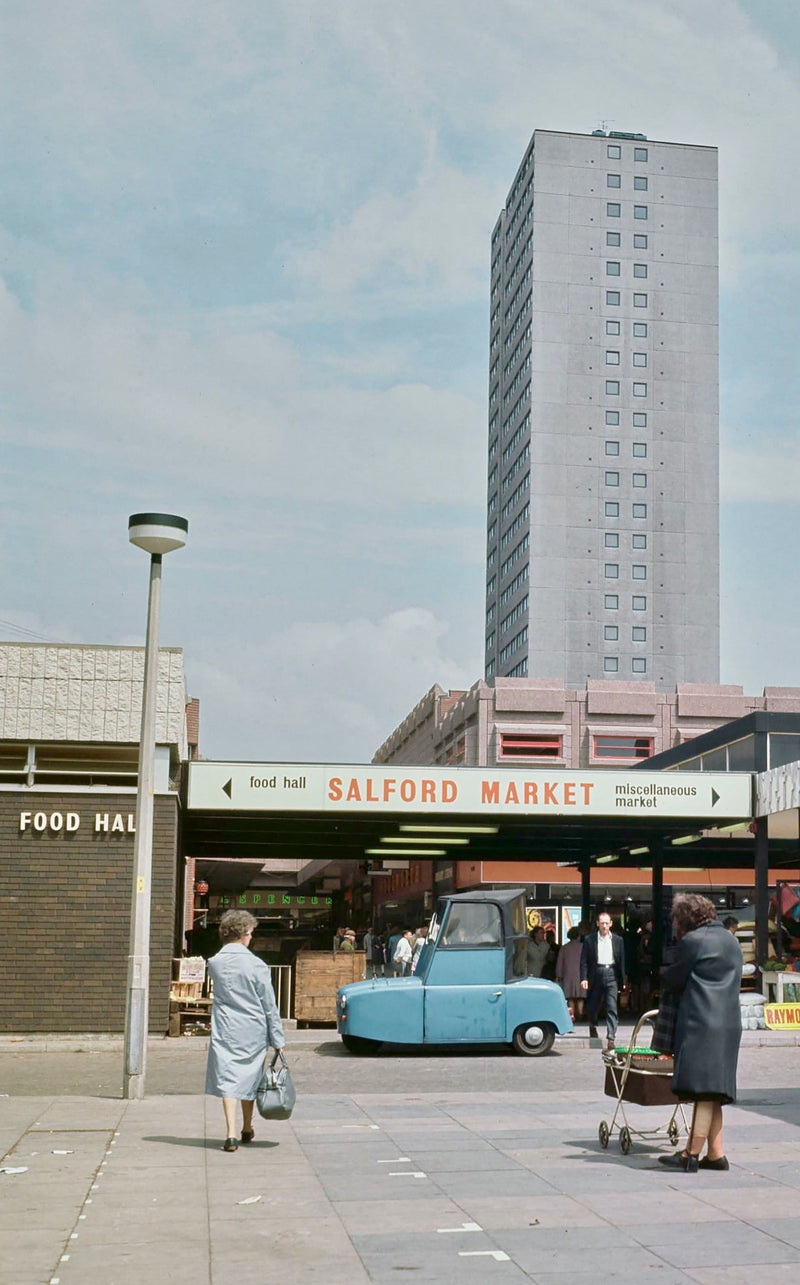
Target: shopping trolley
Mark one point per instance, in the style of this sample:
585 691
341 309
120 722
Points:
635 1074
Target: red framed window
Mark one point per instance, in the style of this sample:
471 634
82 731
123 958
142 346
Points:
623 747
530 745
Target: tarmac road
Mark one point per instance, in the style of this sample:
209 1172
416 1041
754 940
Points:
321 1064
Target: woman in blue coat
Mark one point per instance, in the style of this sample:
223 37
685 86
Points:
704 979
244 1022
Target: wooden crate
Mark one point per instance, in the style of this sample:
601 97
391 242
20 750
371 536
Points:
186 990
317 978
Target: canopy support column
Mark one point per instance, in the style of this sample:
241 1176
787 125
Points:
657 856
586 889
762 891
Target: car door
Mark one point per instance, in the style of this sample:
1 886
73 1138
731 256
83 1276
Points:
465 1013
465 989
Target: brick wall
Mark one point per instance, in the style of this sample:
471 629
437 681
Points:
65 912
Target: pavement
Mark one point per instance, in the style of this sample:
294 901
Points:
447 1164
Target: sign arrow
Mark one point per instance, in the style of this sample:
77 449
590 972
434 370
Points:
228 788
714 797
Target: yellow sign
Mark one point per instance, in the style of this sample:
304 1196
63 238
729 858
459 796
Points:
782 1017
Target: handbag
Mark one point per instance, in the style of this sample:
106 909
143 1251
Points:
275 1095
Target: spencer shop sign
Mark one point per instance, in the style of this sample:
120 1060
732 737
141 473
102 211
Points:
70 822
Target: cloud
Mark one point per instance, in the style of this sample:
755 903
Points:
242 411
436 233
332 690
759 476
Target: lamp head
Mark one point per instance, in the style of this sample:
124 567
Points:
157 533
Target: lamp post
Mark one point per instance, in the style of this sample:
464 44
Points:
157 534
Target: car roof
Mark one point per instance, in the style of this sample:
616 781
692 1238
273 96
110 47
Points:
501 895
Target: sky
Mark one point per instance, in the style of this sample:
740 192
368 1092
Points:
244 259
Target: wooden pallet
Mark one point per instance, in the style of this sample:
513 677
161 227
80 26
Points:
317 978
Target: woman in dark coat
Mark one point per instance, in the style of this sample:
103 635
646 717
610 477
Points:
704 979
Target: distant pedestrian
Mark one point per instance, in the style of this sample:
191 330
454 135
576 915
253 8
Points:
394 937
551 959
378 955
603 975
419 941
403 954
538 949
568 970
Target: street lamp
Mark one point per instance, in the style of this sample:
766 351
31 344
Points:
157 534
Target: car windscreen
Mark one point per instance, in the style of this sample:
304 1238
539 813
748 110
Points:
472 924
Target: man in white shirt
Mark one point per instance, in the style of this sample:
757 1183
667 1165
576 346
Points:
602 975
403 954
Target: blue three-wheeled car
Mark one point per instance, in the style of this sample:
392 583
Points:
470 985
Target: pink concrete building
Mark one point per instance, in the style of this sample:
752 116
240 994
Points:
529 720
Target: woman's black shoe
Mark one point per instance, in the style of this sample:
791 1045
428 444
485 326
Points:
679 1161
722 1163
231 1145
248 1135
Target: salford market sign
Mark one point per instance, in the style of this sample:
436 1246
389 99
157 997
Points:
274 787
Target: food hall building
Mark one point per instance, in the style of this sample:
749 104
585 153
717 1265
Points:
69 731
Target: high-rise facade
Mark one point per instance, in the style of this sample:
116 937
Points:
603 506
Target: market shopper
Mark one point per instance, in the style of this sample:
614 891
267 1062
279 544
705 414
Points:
705 978
244 1022
568 971
420 938
404 953
603 975
536 952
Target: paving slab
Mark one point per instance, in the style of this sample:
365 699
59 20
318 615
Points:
145 1190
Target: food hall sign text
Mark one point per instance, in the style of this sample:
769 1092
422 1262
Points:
69 822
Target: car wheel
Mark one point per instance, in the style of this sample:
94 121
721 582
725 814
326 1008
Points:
533 1040
360 1044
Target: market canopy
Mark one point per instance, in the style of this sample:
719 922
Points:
333 812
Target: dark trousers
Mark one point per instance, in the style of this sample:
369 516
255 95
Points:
603 989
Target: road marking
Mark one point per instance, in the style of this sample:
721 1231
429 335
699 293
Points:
407 1173
443 1231
399 1160
361 1126
496 1254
